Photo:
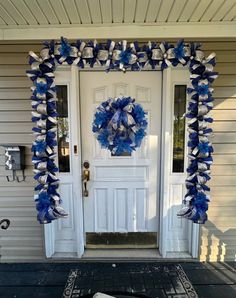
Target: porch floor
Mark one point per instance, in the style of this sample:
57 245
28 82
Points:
49 279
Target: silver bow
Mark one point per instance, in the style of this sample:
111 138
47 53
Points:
143 58
87 52
187 53
79 53
102 55
202 125
202 110
42 109
44 55
200 57
116 55
169 54
110 53
42 166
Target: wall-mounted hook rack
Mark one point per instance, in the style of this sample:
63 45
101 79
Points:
15 177
23 177
15 161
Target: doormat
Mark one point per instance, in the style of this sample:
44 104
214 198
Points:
129 280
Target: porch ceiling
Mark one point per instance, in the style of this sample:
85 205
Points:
28 14
77 12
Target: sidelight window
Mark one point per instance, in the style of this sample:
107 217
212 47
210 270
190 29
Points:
179 128
63 134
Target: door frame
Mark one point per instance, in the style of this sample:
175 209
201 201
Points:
165 166
75 140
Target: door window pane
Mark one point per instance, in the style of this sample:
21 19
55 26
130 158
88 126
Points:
63 129
179 128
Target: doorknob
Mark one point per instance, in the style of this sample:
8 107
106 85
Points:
86 178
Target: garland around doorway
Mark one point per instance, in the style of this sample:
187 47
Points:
121 56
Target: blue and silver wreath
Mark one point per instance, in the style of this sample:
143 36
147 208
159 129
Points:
120 125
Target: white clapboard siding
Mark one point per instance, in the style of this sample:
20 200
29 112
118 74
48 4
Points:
217 202
23 191
222 92
15 93
215 46
218 169
224 148
16 139
13 58
223 181
224 159
223 191
226 115
228 126
227 137
14 82
225 103
24 239
24 127
19 212
28 182
15 105
226 80
20 202
15 116
25 231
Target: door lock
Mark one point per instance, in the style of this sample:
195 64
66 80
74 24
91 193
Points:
86 178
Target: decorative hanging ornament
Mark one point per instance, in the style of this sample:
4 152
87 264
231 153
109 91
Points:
120 125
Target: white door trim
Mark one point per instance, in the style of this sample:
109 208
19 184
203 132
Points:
166 165
165 161
79 222
166 148
71 79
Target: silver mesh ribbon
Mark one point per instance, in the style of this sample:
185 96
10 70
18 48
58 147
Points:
116 55
103 55
87 52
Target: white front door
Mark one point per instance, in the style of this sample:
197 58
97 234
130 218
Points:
123 191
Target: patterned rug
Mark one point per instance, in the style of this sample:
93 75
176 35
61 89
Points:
129 280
